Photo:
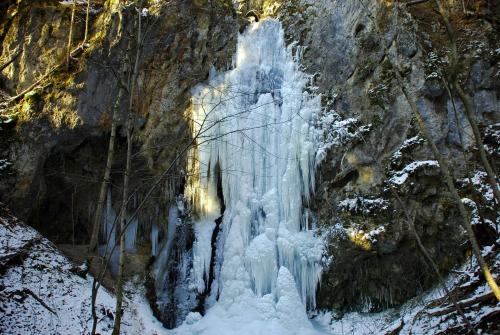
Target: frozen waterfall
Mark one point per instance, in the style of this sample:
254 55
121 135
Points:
255 156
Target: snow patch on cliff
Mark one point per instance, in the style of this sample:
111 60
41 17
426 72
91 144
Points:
400 177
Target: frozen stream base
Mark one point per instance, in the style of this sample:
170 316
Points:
51 277
249 314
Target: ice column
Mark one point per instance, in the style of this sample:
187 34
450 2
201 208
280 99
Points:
256 122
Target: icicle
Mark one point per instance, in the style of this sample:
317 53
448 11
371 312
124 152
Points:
256 123
109 232
261 259
202 250
109 222
164 252
154 239
131 233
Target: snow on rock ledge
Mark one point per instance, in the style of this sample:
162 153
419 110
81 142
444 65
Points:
400 177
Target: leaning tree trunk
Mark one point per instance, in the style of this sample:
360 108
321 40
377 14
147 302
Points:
445 170
411 224
466 100
443 165
479 142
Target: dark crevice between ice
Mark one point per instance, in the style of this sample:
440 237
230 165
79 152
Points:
201 307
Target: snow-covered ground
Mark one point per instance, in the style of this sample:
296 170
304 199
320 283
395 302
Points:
44 292
431 313
41 291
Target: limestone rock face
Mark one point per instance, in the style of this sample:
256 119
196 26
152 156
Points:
375 261
58 145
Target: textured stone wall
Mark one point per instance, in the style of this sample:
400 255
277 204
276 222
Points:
375 261
57 146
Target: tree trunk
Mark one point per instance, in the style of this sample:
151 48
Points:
443 165
482 153
479 142
111 149
95 289
126 179
86 22
411 224
7 63
107 174
445 170
467 101
70 38
123 218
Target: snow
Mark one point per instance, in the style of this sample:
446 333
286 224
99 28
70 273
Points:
480 183
4 164
70 2
71 306
337 132
256 124
289 306
14 238
44 274
400 177
373 234
492 135
413 317
405 146
255 315
363 205
475 219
